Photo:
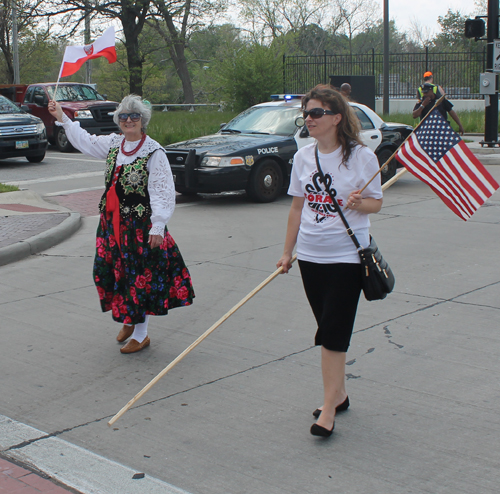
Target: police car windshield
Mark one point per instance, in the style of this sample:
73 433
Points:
265 120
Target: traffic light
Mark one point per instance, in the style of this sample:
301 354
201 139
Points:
474 28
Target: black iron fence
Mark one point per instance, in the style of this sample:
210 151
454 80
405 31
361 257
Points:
458 73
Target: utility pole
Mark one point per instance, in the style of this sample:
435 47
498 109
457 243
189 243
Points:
88 63
386 58
491 109
15 44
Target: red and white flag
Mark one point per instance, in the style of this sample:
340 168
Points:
76 56
435 154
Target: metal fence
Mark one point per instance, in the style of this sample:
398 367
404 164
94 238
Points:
458 72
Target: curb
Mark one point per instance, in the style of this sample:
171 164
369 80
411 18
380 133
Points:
42 241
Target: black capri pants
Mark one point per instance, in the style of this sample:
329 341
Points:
333 292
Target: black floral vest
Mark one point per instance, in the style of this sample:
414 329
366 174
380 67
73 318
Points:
131 186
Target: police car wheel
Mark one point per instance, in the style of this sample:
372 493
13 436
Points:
390 170
62 142
266 182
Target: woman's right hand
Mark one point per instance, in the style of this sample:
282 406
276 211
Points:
55 110
285 262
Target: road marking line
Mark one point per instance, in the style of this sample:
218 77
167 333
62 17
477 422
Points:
73 191
83 158
56 179
74 466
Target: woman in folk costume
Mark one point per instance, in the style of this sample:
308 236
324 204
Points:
138 269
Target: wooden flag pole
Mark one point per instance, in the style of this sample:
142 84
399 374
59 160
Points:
391 181
197 342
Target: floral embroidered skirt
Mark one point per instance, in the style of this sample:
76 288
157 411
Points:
138 280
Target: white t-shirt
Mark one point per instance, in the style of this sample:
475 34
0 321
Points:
322 236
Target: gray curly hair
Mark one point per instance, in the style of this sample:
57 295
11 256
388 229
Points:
134 104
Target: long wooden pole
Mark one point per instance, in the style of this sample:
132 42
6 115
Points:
197 342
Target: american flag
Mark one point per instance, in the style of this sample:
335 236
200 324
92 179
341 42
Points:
435 154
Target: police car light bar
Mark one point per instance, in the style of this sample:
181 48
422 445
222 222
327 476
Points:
286 97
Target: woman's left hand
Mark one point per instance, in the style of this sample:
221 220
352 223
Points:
354 200
155 241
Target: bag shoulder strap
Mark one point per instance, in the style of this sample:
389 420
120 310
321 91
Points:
338 209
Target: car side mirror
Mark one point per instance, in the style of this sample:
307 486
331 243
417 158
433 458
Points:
222 125
26 108
304 132
105 96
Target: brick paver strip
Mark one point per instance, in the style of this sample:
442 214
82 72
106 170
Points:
86 203
17 228
18 480
24 208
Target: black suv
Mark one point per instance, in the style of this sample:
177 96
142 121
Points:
21 134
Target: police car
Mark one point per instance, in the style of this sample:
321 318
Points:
255 150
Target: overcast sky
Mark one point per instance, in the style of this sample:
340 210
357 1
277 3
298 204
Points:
425 12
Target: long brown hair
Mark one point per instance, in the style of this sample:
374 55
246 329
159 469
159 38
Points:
348 127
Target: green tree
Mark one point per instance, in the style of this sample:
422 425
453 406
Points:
27 31
451 38
251 75
175 20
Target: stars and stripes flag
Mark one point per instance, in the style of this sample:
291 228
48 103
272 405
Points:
76 56
435 154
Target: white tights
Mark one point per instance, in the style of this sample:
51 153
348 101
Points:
140 331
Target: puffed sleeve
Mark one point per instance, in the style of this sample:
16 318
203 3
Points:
161 191
95 146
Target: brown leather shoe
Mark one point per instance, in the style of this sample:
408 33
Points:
134 346
125 332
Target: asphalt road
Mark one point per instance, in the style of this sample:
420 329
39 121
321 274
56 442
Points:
234 416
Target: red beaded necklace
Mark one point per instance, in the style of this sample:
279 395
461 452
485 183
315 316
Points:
130 153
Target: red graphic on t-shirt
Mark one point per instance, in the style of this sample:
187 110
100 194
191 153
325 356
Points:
318 198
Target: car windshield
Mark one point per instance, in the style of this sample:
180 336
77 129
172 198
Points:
75 93
265 120
6 106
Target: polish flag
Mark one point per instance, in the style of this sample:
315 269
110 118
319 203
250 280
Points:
76 56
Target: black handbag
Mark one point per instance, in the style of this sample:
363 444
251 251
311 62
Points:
377 277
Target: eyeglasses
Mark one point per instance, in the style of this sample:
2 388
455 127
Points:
316 113
135 117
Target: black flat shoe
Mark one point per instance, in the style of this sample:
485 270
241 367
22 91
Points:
317 430
340 408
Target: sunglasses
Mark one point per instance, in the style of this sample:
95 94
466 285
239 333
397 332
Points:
316 113
135 117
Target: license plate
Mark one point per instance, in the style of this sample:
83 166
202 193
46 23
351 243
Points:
22 144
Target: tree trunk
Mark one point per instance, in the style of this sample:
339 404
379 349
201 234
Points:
134 61
176 40
132 18
180 62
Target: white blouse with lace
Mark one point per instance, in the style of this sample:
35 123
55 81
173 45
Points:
160 182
